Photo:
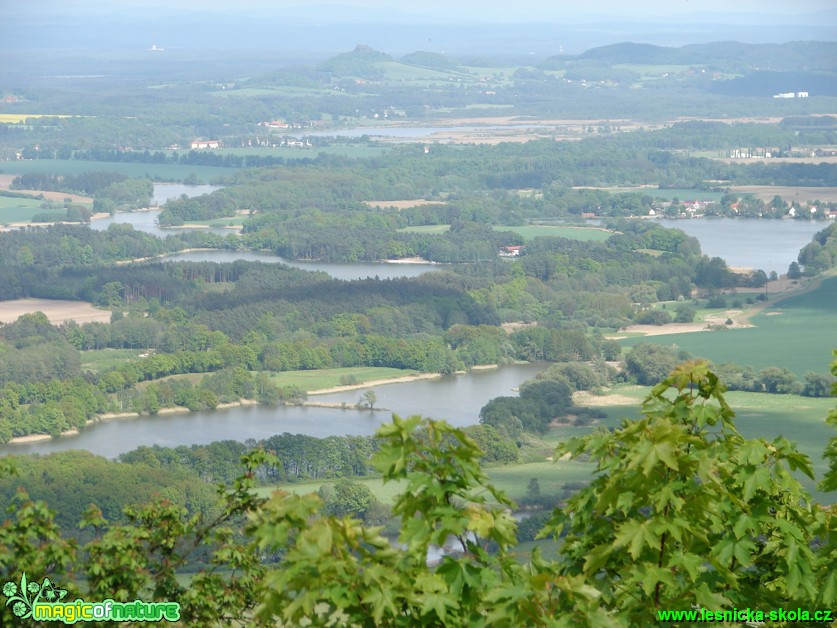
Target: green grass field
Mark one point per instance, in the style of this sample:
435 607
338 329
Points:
159 172
100 360
513 480
585 234
20 209
797 333
328 378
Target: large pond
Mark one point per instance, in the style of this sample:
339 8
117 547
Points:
346 271
750 242
455 398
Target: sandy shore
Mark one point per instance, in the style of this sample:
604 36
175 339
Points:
374 382
112 416
328 404
409 260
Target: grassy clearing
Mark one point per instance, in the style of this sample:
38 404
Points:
159 172
585 234
552 476
19 209
514 480
797 333
100 360
328 378
426 229
384 493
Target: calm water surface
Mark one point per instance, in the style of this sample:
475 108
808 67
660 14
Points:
751 242
456 398
346 271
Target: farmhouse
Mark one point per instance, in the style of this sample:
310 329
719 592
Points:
510 251
196 144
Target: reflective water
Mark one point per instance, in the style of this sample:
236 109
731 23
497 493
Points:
346 271
751 242
456 398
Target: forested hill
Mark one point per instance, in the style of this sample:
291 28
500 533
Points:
725 56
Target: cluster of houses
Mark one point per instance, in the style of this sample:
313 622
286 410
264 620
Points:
201 144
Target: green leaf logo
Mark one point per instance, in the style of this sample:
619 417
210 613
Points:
23 597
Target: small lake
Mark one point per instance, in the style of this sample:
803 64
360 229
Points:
146 220
346 271
455 398
750 242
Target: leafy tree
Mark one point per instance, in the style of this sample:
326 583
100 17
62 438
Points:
369 399
686 513
684 313
649 364
349 499
816 385
653 316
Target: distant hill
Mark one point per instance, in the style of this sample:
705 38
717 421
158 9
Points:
728 56
360 62
646 54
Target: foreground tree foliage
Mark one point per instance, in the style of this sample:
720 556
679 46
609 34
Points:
683 512
686 513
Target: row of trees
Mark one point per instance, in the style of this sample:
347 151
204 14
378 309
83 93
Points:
645 363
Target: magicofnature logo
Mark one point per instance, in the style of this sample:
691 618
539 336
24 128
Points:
45 602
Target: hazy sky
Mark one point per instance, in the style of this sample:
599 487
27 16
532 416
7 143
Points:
523 9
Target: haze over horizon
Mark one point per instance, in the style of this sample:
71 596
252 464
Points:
289 32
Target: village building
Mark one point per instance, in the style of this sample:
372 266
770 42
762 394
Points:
199 144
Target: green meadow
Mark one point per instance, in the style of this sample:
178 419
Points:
19 209
585 234
513 480
318 379
798 332
101 360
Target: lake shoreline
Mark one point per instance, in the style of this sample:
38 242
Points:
113 416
